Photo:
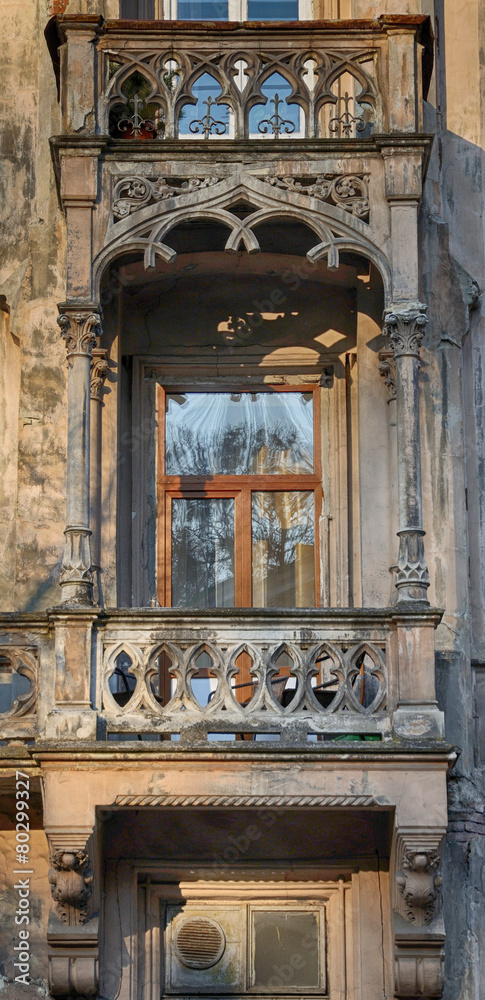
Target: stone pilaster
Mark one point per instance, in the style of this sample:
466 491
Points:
79 328
405 328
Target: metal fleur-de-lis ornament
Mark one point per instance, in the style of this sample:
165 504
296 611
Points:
346 120
276 123
138 126
207 123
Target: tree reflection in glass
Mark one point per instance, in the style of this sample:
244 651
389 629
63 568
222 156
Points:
203 553
283 549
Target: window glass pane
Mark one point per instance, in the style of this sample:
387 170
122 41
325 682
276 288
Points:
202 553
206 112
283 549
143 10
277 113
285 950
272 10
239 433
202 10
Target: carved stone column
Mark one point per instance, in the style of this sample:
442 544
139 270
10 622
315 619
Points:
79 328
405 329
99 369
73 925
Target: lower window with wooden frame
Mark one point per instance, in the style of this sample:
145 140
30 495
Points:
239 497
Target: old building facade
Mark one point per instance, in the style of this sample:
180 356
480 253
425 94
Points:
242 651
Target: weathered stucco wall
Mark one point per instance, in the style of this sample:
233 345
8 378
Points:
33 407
31 276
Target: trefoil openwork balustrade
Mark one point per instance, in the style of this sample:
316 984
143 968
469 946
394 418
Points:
263 86
212 686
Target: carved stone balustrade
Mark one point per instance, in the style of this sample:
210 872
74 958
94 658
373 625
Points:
290 675
294 675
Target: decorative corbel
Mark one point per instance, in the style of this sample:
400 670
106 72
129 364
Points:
419 882
419 931
70 879
72 934
387 369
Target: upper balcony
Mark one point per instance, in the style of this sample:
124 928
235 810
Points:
159 82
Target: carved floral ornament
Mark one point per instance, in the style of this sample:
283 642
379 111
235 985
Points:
387 370
99 370
347 191
149 213
70 879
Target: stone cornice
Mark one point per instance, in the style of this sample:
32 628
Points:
416 754
386 22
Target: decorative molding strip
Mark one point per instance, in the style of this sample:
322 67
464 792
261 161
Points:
248 801
347 191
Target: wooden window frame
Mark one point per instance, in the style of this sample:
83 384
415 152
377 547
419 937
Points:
239 488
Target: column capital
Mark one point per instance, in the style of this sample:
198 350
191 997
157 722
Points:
79 329
404 325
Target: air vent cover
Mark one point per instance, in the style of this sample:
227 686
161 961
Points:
200 942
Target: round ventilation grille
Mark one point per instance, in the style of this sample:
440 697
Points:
200 942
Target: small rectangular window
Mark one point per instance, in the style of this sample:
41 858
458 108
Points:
272 10
138 10
285 950
202 10
210 10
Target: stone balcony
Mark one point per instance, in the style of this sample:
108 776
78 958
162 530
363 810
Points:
289 677
334 81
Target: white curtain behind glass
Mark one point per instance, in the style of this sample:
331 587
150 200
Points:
262 433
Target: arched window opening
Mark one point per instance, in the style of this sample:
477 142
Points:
246 401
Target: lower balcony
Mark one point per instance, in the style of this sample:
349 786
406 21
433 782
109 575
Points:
270 676
291 677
